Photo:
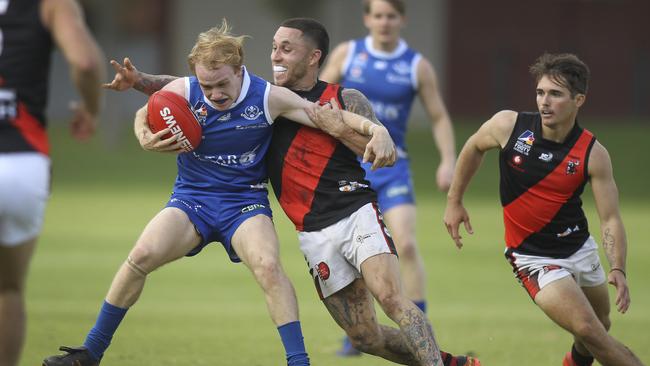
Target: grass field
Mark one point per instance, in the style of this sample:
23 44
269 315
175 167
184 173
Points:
207 311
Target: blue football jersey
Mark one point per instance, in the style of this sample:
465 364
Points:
230 157
388 80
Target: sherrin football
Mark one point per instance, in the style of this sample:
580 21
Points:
167 109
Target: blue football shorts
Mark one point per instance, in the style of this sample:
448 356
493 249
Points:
394 185
217 216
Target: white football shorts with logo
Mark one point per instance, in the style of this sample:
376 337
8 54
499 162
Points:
24 190
335 254
535 272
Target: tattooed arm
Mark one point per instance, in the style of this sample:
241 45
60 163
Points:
611 224
127 76
357 103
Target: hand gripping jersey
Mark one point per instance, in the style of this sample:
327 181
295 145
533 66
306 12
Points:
317 180
388 80
230 158
541 184
25 48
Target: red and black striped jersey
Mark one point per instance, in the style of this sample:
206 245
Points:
541 183
317 180
25 51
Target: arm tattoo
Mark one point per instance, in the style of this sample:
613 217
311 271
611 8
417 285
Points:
149 84
356 102
609 245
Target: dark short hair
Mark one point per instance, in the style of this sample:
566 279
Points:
314 31
565 68
398 5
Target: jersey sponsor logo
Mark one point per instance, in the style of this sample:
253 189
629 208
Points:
546 157
251 112
251 127
568 231
402 67
230 160
345 186
398 191
201 112
253 207
356 74
385 111
8 110
362 238
380 65
323 271
175 129
525 142
360 59
516 162
398 79
572 167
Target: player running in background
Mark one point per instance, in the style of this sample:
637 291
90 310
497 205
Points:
340 230
217 199
29 31
546 159
391 75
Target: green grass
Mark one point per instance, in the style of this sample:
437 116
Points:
206 311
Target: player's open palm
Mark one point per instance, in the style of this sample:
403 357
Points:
125 76
455 214
617 279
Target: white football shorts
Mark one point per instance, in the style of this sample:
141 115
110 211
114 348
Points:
24 190
535 272
334 254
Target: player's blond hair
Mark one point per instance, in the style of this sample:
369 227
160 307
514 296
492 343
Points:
216 47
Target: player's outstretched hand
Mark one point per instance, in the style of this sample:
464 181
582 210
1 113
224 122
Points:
154 141
618 280
126 76
380 149
455 213
83 123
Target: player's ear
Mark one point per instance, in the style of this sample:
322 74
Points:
316 55
580 100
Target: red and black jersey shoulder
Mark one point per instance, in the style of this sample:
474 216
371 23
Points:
317 180
540 187
25 51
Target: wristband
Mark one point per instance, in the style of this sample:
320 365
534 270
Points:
620 270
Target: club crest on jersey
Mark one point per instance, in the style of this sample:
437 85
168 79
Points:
252 112
402 67
323 271
572 167
525 142
546 157
200 112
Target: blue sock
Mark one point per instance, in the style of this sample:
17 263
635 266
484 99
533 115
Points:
422 304
294 345
100 336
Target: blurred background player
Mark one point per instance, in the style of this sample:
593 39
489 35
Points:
390 75
216 198
546 159
29 30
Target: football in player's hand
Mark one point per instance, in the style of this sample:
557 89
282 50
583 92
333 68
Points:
167 109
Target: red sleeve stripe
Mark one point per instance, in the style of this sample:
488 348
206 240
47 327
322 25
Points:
541 202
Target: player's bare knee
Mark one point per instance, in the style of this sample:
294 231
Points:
267 270
589 333
367 342
136 268
390 301
407 248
